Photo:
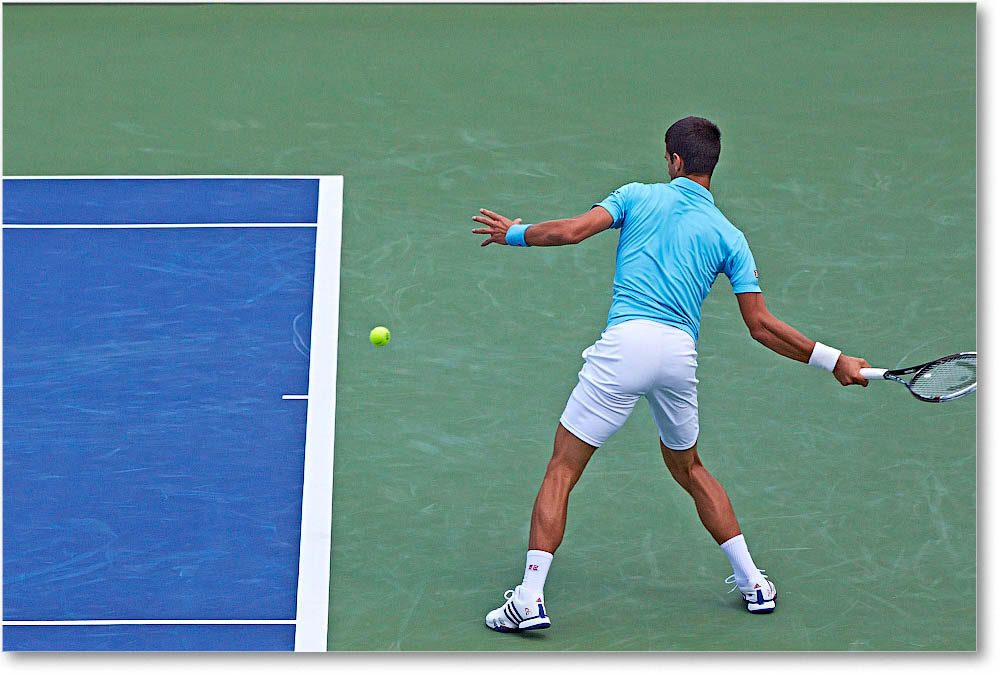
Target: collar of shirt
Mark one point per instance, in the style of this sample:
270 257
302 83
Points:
688 184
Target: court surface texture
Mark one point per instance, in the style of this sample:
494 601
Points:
849 160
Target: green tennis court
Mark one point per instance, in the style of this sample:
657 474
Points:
849 160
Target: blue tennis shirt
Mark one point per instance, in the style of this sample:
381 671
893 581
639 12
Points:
673 243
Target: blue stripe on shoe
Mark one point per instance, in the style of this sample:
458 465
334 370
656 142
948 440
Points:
537 627
761 601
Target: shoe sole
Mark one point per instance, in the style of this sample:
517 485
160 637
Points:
530 624
763 608
534 624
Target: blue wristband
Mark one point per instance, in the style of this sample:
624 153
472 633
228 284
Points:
515 235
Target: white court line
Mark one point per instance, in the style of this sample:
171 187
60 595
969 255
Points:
313 598
156 622
1 407
139 226
158 176
295 397
96 226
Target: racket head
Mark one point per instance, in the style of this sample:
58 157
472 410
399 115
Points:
945 379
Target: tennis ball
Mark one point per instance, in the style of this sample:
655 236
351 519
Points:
379 336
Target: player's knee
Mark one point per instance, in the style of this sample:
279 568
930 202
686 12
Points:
681 474
682 465
561 470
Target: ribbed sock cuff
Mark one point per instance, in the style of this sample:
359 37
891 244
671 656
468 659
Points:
536 568
739 556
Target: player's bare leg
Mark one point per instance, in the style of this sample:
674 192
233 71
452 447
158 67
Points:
548 518
710 498
524 608
716 513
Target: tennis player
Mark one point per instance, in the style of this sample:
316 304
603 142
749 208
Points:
672 244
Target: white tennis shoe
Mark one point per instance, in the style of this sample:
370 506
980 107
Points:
759 594
522 611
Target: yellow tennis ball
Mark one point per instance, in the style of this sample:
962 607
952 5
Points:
379 336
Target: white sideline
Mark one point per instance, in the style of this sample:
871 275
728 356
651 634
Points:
1 404
313 600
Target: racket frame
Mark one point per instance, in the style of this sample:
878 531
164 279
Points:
882 373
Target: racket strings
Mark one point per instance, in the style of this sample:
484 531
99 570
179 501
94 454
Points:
945 377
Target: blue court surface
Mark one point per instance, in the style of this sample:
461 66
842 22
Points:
167 430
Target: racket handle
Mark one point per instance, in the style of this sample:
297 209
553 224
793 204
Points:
873 373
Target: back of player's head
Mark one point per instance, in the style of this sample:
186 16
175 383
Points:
698 143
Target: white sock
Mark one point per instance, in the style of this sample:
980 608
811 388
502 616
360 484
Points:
535 570
739 556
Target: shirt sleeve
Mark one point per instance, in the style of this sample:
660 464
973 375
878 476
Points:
741 268
617 204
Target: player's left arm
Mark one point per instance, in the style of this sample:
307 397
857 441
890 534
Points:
548 233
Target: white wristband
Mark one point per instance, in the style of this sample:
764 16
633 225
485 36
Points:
824 357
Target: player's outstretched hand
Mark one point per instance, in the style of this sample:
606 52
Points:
848 370
496 226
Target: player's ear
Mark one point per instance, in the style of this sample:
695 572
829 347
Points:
675 165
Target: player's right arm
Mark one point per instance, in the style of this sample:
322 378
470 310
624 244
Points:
779 337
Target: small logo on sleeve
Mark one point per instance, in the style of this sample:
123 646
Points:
755 276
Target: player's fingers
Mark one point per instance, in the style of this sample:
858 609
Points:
487 242
490 214
484 221
483 230
517 221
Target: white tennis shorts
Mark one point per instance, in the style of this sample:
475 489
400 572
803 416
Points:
632 359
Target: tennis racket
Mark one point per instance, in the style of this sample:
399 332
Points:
943 379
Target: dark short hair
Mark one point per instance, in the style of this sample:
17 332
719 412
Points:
698 143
